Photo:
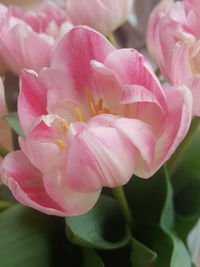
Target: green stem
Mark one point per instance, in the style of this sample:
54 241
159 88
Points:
3 151
174 160
120 197
113 40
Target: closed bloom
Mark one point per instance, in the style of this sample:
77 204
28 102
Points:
104 16
173 36
27 39
94 118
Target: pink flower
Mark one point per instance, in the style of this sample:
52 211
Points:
104 16
27 39
2 98
173 35
94 118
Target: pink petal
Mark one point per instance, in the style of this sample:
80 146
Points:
62 97
32 99
194 85
133 68
137 93
161 8
2 98
23 48
104 16
25 182
74 203
142 139
107 86
177 124
95 157
73 56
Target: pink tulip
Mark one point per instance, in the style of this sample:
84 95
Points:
27 39
173 35
2 98
104 16
94 118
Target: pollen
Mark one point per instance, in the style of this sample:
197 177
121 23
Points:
61 143
65 125
91 102
79 114
99 106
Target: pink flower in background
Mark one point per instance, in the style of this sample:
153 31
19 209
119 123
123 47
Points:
2 98
94 118
173 35
27 39
104 16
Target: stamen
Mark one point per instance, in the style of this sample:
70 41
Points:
65 125
106 110
61 143
91 101
79 114
99 106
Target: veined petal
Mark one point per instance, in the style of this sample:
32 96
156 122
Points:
132 68
32 101
177 124
25 182
96 154
23 48
69 56
142 138
194 85
73 202
107 86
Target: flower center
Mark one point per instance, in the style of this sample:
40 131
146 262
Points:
95 108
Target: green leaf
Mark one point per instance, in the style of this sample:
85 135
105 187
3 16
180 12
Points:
13 120
184 225
189 167
91 258
24 238
142 255
180 255
151 201
102 227
170 249
186 185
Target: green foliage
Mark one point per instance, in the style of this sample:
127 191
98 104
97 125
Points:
102 227
24 238
91 259
13 120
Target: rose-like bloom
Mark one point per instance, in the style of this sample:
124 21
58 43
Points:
94 118
27 39
173 36
2 98
104 16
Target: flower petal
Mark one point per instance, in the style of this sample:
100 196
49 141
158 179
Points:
25 182
74 203
177 124
73 56
194 85
32 100
133 68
